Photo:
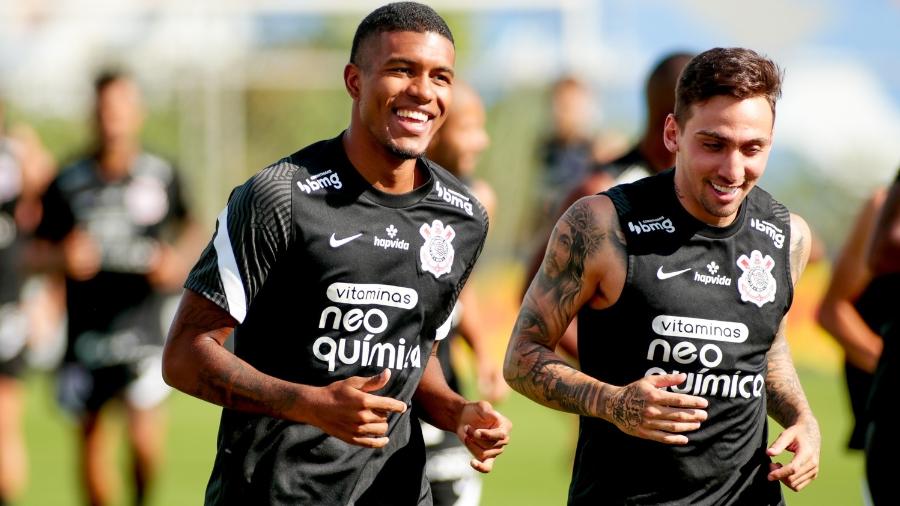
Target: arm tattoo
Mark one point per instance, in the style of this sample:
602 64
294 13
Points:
626 408
575 238
543 376
799 245
785 400
532 366
223 378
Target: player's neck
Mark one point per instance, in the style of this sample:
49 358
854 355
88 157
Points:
115 158
380 168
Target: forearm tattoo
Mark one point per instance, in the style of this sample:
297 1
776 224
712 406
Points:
785 398
222 377
626 408
533 367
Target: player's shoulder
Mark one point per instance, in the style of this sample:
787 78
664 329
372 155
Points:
76 174
450 193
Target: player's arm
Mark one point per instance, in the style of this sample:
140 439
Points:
884 256
849 278
483 430
585 263
196 362
785 400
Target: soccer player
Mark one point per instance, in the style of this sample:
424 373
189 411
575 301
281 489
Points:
681 282
457 147
337 269
115 223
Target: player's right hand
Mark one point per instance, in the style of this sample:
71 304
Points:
348 410
643 409
81 255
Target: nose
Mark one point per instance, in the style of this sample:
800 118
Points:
421 88
732 168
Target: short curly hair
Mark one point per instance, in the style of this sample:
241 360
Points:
398 17
737 72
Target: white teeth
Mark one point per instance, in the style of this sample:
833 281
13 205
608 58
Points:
724 189
416 115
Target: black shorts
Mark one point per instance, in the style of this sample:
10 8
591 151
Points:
13 367
80 390
13 334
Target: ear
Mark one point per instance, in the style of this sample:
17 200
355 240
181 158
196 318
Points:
670 134
351 80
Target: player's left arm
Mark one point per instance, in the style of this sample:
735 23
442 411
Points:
483 430
786 402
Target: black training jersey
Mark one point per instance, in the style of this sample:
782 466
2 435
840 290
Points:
113 317
701 300
330 278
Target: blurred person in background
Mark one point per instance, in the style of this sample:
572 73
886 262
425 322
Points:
457 147
115 223
856 309
647 157
682 302
25 171
567 151
337 269
882 440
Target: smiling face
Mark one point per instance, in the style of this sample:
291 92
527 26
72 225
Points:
720 153
401 91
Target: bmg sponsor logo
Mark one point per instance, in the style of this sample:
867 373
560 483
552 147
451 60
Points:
655 225
320 181
454 198
774 233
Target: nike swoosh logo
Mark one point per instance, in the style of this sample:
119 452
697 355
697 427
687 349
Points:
666 275
337 243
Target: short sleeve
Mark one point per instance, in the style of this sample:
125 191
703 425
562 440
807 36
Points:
57 219
253 233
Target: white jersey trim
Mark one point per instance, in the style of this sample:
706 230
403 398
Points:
228 270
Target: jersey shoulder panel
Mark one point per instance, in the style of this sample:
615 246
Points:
76 176
455 195
252 233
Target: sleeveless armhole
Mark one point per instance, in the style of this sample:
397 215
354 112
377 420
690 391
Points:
622 204
783 216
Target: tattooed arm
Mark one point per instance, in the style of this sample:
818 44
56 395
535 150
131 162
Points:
585 263
786 402
196 362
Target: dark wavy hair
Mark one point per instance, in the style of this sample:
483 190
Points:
737 72
398 17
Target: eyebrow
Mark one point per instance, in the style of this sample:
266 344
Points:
413 63
719 137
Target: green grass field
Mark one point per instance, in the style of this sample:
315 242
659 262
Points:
533 471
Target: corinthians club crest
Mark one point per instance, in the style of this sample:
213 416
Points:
756 284
437 252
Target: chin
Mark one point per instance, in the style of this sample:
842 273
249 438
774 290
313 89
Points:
405 152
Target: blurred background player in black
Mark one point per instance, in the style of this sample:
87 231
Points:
882 442
115 223
25 170
457 147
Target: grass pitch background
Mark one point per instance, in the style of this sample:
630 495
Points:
534 470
